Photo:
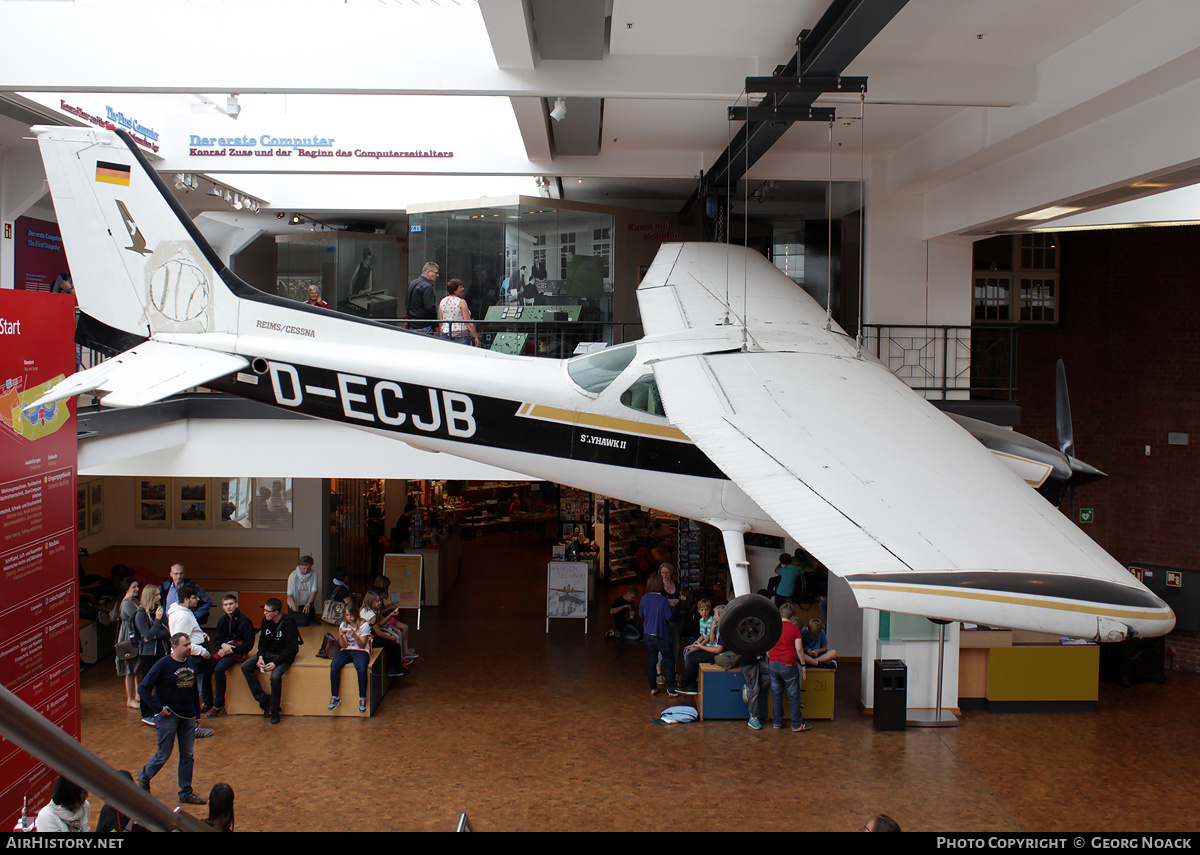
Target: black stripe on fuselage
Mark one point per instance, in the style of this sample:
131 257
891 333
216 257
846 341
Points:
1027 584
472 419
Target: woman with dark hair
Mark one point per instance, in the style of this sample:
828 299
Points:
112 820
672 590
220 807
68 810
455 316
126 631
881 822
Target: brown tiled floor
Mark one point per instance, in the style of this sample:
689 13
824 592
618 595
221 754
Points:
526 731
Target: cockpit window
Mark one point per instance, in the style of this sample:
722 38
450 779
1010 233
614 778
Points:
593 372
643 396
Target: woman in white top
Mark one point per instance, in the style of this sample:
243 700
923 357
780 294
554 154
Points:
455 316
67 811
354 636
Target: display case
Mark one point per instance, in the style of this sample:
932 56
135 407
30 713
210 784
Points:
524 262
355 272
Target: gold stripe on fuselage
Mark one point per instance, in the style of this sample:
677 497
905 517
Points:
592 420
1016 600
1025 460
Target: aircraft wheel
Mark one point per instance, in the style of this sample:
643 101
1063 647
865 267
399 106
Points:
750 625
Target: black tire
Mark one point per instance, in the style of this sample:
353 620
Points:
750 625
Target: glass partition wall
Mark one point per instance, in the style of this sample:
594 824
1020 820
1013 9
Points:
354 272
538 277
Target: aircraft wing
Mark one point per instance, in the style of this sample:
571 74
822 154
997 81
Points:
149 372
865 474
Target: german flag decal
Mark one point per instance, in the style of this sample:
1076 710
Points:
112 173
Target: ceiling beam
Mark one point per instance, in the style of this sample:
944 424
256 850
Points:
839 36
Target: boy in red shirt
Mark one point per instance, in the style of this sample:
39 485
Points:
786 667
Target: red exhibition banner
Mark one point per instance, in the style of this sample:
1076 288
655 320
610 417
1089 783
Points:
39 611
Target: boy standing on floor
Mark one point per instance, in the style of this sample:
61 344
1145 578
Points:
785 664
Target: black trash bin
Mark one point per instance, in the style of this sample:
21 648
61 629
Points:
891 694
1134 660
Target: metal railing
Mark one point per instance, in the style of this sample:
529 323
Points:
24 727
552 339
948 362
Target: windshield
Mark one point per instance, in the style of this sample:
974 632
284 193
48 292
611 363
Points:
593 372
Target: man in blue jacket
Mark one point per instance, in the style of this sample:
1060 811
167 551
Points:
170 594
169 690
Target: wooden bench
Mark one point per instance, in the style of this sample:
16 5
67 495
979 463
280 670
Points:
306 683
216 569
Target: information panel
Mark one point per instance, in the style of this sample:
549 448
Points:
39 613
405 571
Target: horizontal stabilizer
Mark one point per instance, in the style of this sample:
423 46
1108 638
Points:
147 373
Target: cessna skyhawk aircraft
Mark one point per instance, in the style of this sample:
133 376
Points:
741 407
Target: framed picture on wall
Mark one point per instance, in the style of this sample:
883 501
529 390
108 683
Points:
192 509
272 505
81 508
233 499
95 506
152 503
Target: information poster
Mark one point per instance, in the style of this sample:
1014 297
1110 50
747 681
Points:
566 589
405 573
39 613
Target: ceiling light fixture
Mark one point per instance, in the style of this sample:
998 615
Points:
1049 213
560 109
232 108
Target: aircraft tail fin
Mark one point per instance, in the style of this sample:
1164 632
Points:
139 264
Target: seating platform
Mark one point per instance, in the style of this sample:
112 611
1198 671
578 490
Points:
306 683
721 694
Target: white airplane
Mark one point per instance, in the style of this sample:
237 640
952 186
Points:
741 407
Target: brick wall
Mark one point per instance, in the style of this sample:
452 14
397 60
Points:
1130 338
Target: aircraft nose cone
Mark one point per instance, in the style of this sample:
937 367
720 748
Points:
1159 621
1083 473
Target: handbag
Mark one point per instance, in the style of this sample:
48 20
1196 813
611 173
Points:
129 643
329 647
333 612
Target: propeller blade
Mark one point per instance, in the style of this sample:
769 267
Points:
1062 412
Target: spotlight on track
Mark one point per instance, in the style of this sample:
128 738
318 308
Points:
560 109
